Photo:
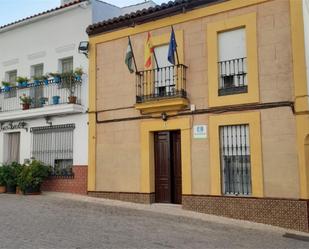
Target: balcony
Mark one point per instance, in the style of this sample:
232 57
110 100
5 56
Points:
232 77
41 98
161 89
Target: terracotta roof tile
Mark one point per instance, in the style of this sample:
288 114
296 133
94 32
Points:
147 15
43 13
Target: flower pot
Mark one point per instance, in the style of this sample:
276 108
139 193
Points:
72 99
36 82
56 100
2 189
26 106
7 88
11 189
46 82
43 101
33 190
57 79
18 191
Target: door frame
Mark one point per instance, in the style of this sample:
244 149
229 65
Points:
147 152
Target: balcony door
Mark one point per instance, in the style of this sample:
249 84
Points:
37 92
11 147
164 75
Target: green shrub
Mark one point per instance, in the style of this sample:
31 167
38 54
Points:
2 181
11 173
32 175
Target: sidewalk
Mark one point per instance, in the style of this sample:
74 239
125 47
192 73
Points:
176 210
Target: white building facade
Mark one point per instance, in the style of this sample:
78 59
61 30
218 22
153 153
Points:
52 128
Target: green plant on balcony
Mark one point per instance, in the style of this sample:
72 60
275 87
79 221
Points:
38 79
78 72
25 101
6 86
56 76
22 81
69 82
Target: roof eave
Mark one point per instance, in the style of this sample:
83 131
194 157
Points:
39 17
129 21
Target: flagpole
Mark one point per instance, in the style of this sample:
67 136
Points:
176 46
133 54
155 57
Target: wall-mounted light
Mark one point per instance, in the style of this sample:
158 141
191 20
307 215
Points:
48 121
164 116
83 48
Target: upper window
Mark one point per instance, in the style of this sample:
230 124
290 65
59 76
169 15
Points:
11 77
66 65
37 70
233 61
232 64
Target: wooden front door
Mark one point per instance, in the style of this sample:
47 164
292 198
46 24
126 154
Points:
168 185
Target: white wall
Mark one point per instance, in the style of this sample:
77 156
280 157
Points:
80 139
46 41
306 28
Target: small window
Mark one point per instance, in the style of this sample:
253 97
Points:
235 160
66 65
232 65
37 70
11 77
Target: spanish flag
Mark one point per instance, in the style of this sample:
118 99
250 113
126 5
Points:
149 49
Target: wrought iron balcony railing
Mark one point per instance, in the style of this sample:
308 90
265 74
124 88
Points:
41 93
232 76
161 83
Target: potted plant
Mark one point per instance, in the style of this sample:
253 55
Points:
6 86
43 100
22 82
56 76
32 176
25 101
56 100
2 181
10 174
69 82
78 73
37 80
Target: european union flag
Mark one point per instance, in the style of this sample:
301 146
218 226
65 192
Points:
172 48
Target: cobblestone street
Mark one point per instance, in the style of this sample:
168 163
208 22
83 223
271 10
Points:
50 221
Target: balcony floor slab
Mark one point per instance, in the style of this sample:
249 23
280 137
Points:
52 110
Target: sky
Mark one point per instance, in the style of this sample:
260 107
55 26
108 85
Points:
13 10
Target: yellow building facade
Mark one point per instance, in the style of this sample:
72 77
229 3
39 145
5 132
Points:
224 131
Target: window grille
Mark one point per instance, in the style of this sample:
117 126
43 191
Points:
53 145
235 160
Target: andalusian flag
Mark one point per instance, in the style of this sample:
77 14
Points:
149 49
129 57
